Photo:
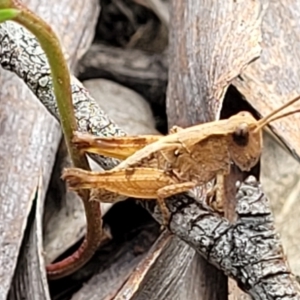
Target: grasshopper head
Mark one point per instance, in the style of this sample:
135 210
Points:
245 143
245 135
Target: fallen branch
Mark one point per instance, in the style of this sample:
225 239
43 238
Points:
248 250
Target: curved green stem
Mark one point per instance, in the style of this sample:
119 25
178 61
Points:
62 90
59 72
8 14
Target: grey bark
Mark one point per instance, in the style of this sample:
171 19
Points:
249 250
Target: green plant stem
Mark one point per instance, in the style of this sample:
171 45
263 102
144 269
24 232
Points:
8 14
62 90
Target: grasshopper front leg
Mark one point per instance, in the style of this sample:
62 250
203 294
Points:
115 147
144 183
219 192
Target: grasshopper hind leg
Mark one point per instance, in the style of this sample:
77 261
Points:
164 211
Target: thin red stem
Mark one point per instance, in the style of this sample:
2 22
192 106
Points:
86 250
62 90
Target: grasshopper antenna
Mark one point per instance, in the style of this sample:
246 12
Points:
267 119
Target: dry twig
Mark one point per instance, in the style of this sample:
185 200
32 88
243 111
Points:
248 250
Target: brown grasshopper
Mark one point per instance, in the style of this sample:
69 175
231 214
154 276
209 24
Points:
162 166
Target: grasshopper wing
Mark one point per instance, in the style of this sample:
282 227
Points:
116 147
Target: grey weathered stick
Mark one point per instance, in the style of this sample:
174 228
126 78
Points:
249 250
221 243
21 53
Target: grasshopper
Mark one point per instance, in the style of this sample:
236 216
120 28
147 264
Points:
158 167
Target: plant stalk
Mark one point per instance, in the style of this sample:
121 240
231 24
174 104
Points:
62 90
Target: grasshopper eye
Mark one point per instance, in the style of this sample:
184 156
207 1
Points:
241 135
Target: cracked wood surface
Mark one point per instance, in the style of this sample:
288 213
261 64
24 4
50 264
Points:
210 43
249 248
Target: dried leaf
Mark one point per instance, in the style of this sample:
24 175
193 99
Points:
274 78
30 278
217 40
280 174
31 137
